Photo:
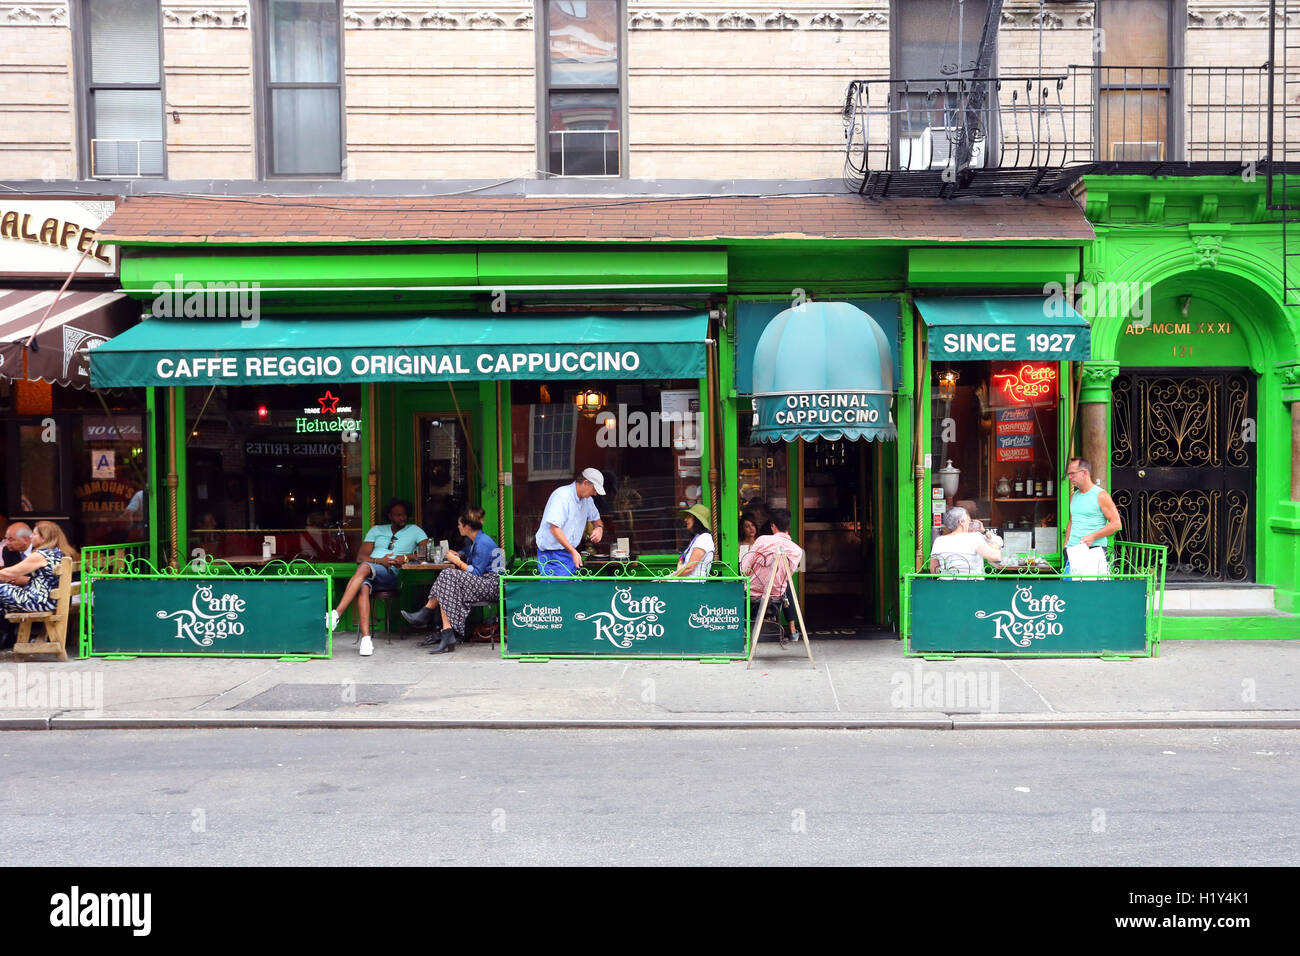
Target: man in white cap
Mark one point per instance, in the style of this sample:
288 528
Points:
567 512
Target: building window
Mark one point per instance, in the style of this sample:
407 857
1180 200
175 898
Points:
124 100
937 41
1133 80
278 465
551 440
302 64
995 448
644 436
582 93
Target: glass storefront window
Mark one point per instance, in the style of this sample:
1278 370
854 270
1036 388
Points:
643 436
281 463
80 463
994 445
764 473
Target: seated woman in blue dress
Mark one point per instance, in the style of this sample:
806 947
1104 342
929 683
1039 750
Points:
472 578
29 585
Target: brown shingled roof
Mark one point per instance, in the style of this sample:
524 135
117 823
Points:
232 220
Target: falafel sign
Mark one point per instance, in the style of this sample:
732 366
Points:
1039 615
626 617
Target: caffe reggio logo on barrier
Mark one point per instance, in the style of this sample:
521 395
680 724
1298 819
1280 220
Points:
209 618
1028 618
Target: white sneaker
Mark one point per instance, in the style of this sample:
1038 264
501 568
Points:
367 645
332 621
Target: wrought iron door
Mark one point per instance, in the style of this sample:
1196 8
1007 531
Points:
1183 468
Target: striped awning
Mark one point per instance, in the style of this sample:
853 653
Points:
79 322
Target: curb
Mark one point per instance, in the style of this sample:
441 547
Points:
430 723
1136 723
24 723
435 723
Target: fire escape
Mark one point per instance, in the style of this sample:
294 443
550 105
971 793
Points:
1283 169
978 132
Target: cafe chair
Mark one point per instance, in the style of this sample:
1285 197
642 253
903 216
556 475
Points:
386 599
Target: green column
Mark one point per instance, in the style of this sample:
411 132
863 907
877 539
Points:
730 464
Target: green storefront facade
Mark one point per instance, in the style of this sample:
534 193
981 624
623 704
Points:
864 510
1207 256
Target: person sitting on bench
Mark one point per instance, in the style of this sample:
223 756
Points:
29 585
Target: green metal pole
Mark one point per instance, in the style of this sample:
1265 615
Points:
151 404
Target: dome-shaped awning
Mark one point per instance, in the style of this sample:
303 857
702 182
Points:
823 370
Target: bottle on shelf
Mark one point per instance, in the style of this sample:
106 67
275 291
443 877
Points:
1051 487
1029 483
1020 483
1039 490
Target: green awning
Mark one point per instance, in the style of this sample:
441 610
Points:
1005 327
823 370
287 351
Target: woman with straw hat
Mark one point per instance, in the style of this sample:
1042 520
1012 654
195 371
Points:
698 556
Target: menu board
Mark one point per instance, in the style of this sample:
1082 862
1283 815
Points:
1015 434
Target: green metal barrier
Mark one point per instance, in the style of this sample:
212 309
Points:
1133 557
624 610
100 558
205 609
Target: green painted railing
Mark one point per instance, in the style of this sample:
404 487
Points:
135 567
99 558
1133 557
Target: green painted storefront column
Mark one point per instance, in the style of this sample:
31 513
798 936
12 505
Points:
1285 523
1289 372
1094 416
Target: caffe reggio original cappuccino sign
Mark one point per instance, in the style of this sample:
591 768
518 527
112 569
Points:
51 237
626 618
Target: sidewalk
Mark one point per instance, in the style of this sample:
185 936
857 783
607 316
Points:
856 683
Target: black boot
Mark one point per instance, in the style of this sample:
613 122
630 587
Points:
446 642
429 641
421 617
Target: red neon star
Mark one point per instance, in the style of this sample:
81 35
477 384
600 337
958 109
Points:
329 402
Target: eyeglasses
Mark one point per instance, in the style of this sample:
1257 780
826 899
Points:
1071 474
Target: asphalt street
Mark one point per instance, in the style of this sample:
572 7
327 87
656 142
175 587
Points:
378 797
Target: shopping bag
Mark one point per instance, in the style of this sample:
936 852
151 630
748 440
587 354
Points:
1087 562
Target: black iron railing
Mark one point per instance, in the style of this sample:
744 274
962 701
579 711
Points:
1024 132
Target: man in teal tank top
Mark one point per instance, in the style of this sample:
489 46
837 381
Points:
1093 515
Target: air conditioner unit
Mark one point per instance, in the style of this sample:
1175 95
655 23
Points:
1134 151
933 149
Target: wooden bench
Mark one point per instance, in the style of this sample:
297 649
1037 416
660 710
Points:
54 622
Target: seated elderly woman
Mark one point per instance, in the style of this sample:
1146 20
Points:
472 578
29 585
959 550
